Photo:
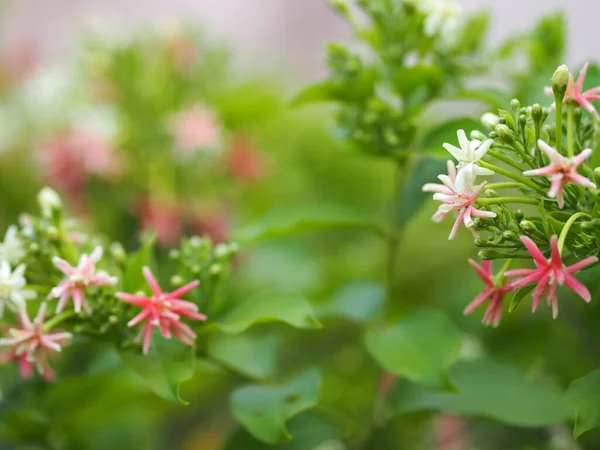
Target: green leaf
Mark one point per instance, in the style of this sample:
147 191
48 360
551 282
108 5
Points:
265 307
583 397
264 410
411 196
304 219
251 354
519 295
408 80
474 32
446 132
316 93
164 368
495 98
489 389
133 278
420 347
547 45
309 431
358 301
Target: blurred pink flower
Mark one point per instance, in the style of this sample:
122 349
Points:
244 161
575 93
183 50
213 222
164 217
78 279
492 293
195 128
69 158
561 171
549 275
31 345
163 310
18 61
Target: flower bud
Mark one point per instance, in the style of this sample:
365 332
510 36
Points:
597 175
52 233
489 120
176 281
34 247
519 215
493 135
476 134
578 113
522 120
113 320
118 252
479 242
527 225
510 235
536 112
505 134
587 226
49 201
174 254
560 80
234 248
196 269
544 114
515 104
215 269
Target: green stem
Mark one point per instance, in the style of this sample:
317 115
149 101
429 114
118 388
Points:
558 103
499 200
521 150
512 176
570 129
394 237
565 231
58 319
505 185
505 160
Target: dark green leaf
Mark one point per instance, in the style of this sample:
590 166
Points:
164 368
519 295
290 308
420 347
264 410
490 389
251 354
583 397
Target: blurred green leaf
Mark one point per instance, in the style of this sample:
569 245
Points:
316 93
264 307
547 46
164 368
420 346
490 389
411 196
408 80
264 410
304 219
358 301
583 397
519 295
495 98
133 278
474 32
308 429
253 355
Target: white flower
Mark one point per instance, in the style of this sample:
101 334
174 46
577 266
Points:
443 19
48 200
12 294
468 154
489 120
11 250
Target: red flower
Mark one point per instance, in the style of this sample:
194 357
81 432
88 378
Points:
244 161
493 293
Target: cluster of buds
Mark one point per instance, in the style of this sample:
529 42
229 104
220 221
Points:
543 168
83 299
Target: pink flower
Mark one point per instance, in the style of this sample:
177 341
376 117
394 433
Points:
244 161
457 194
212 221
164 217
574 93
492 292
195 128
31 344
549 274
561 171
78 279
163 310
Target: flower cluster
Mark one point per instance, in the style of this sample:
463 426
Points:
547 170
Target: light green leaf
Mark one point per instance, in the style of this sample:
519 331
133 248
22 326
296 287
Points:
408 80
164 368
489 389
133 278
304 219
358 301
519 295
583 397
264 307
420 347
264 410
251 354
495 98
316 93
474 32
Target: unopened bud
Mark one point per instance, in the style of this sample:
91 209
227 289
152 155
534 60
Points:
52 233
505 133
118 252
560 80
597 175
215 269
174 254
479 242
587 226
515 104
493 135
522 120
536 112
34 247
221 250
234 248
476 134
519 215
578 113
49 201
113 320
527 225
489 120
196 269
176 281
544 114
510 235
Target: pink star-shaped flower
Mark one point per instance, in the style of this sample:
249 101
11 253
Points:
492 292
31 344
457 194
78 279
163 310
549 274
574 93
561 171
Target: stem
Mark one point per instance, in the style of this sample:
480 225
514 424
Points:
394 238
565 231
521 150
558 103
499 200
58 319
513 176
505 185
505 160
570 129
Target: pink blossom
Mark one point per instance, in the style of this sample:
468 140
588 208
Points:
163 310
549 274
457 194
561 171
78 280
493 292
31 345
244 161
164 217
183 51
195 128
212 221
574 93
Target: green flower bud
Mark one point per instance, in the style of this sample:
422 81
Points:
118 252
544 114
515 104
505 134
196 269
522 120
587 226
215 269
52 233
176 281
489 120
113 320
597 175
510 235
536 112
519 215
174 254
34 247
527 225
233 248
476 134
493 135
479 242
560 80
